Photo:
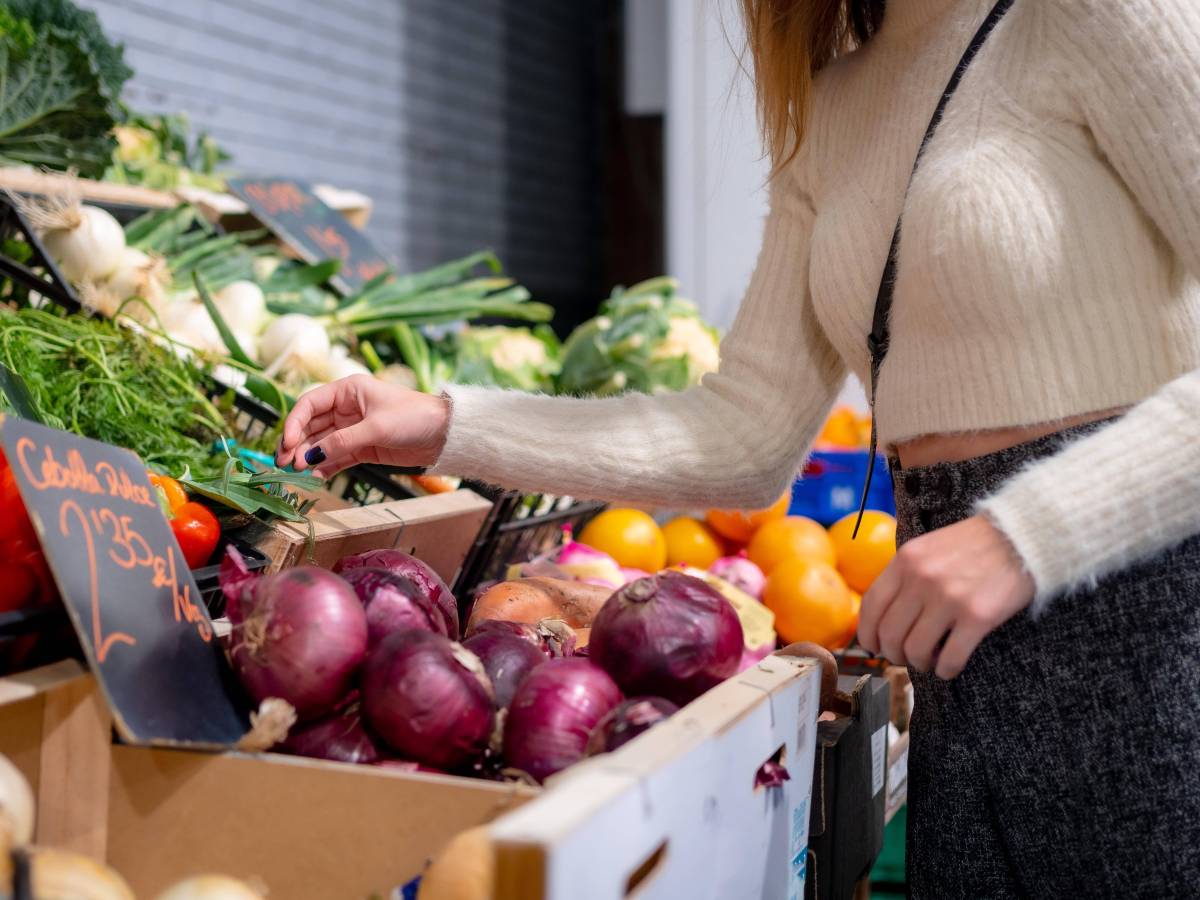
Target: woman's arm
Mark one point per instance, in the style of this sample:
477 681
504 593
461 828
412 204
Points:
1132 488
736 440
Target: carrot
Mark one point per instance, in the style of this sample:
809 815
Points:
530 600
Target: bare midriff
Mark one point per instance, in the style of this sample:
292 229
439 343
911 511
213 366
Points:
938 448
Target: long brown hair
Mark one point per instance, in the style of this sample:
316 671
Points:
789 42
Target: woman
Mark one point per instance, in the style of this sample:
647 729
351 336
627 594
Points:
1040 401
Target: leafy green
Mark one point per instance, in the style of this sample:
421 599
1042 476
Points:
59 92
645 339
257 493
107 59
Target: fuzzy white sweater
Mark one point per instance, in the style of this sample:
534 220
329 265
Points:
1049 266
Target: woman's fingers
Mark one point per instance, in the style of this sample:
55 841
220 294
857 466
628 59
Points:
921 645
902 613
313 404
875 604
959 646
342 448
301 451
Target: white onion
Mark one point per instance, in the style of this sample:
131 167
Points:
86 241
63 874
295 338
242 305
138 275
210 887
187 321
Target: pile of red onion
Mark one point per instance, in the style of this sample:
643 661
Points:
369 659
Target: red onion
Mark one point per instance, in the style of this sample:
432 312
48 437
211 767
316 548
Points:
428 698
507 659
626 721
299 634
393 603
555 709
669 635
410 567
553 637
340 736
771 774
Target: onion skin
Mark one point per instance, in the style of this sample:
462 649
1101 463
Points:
626 721
410 567
299 635
429 699
392 603
339 737
507 659
553 714
553 637
669 635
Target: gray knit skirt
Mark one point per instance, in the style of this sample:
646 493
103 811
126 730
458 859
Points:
1065 760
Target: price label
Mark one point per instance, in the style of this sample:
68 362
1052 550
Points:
311 228
132 599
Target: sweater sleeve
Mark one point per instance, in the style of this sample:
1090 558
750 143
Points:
734 441
1133 487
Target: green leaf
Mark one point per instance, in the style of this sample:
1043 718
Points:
294 278
54 111
239 494
64 17
14 388
231 343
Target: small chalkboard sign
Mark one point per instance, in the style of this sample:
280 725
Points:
131 597
315 231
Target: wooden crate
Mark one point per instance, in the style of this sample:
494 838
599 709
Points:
56 728
438 529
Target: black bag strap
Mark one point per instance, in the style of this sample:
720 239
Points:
880 336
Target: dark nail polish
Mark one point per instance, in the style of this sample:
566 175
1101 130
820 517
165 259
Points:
315 456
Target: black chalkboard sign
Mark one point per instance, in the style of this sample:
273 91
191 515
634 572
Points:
129 594
315 231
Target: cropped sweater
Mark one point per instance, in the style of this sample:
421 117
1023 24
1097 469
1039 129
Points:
1049 266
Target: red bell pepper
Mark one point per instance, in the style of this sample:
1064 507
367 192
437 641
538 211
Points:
195 528
25 577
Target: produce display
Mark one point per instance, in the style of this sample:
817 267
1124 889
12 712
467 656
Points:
375 673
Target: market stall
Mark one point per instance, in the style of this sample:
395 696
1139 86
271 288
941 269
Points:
389 684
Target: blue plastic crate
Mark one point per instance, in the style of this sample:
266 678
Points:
831 485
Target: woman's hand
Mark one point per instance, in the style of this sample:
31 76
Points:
957 583
362 419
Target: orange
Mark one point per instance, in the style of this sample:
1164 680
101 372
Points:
790 537
689 542
840 429
861 559
739 525
810 602
629 536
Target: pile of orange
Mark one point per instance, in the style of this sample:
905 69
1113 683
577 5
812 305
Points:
845 429
815 577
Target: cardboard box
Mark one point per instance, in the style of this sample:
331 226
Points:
306 829
676 813
439 529
849 797
55 727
